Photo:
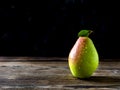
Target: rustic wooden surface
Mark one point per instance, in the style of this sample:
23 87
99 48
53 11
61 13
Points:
53 74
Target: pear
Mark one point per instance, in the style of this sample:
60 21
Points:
83 58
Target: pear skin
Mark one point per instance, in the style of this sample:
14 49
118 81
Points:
83 58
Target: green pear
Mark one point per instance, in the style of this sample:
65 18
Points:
83 58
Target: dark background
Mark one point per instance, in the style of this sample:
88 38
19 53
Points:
49 27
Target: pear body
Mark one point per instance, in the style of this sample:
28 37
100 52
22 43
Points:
83 58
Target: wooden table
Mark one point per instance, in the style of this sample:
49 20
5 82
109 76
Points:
35 73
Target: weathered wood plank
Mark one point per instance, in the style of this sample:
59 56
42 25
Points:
53 75
32 59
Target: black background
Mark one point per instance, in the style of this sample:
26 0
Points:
49 27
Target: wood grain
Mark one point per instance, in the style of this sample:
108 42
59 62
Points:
54 74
